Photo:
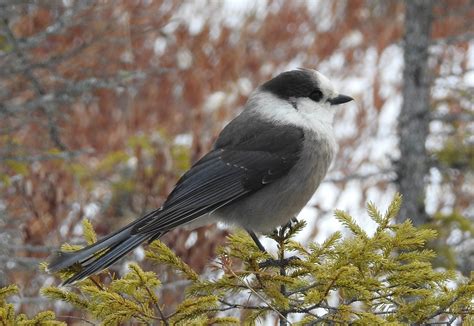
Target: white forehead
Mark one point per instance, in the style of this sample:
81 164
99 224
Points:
325 84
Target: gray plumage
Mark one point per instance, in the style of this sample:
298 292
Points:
264 167
284 198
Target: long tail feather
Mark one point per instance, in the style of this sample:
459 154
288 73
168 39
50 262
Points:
62 259
111 255
99 255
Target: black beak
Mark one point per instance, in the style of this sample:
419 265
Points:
340 99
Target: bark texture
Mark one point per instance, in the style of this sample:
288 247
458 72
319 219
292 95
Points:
413 121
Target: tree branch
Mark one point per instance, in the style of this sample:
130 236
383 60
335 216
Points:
52 126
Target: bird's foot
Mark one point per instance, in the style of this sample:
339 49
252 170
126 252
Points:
257 242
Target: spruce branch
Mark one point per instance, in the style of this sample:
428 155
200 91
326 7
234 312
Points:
258 295
378 278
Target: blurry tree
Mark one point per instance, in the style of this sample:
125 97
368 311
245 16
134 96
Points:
442 28
104 104
413 121
450 143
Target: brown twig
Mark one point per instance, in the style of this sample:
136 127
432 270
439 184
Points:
247 286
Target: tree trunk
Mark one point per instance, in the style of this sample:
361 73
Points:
413 121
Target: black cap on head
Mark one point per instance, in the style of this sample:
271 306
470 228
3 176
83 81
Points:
294 83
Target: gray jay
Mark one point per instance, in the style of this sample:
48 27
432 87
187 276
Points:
264 167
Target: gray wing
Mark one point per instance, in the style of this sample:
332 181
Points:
237 167
240 164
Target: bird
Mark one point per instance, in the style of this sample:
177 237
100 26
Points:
263 168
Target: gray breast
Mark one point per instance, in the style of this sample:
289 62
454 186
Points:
280 201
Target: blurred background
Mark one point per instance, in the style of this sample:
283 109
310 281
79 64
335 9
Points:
103 105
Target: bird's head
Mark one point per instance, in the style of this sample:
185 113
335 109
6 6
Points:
300 93
305 83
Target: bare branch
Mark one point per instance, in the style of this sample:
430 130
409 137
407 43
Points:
66 155
453 39
383 173
52 126
452 117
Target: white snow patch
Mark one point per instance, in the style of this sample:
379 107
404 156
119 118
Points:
91 210
214 101
139 253
183 140
191 240
159 46
184 59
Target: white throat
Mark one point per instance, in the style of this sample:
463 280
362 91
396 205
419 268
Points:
304 112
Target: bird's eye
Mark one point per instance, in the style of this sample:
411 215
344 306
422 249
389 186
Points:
316 95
